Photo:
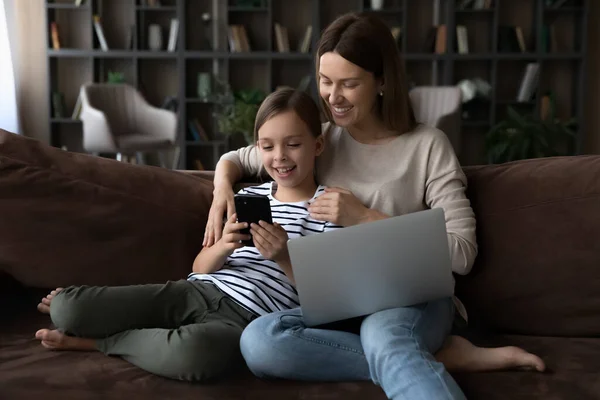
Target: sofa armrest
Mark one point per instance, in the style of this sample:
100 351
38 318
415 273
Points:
78 219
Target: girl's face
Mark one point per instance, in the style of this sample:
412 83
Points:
288 149
349 90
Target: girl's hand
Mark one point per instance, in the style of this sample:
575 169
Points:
222 202
340 207
271 241
231 236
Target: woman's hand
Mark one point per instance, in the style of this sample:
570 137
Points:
271 241
341 207
222 202
231 235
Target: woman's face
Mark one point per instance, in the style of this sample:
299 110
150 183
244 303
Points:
349 91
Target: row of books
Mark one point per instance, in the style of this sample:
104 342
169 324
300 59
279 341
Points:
239 40
475 4
99 30
510 39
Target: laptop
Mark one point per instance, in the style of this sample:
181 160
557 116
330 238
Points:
362 269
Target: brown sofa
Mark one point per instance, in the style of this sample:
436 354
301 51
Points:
74 219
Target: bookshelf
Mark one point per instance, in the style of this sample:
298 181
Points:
203 48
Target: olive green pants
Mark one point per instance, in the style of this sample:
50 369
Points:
181 330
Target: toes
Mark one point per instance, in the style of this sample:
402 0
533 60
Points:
43 308
48 345
41 334
47 301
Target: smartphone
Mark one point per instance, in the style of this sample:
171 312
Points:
251 209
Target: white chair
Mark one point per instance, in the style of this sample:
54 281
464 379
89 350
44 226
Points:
440 107
118 120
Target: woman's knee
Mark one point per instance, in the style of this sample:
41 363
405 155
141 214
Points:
265 343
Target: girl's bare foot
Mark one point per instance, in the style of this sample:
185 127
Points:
44 306
55 340
458 354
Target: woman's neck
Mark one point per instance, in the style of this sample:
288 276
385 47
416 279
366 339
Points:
370 131
302 192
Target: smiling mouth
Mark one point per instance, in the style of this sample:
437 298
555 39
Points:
284 171
341 110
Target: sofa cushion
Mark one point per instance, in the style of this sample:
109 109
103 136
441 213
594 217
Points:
538 231
72 218
573 371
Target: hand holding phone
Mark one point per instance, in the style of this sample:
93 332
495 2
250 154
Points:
252 209
271 242
232 236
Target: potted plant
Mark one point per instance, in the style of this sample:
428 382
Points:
524 136
235 112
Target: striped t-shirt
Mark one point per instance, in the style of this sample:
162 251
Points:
254 282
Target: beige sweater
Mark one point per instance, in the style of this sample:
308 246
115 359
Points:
413 172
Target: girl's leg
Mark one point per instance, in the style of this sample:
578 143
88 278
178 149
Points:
399 344
279 345
195 352
99 312
202 346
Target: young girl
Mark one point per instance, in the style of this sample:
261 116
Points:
190 329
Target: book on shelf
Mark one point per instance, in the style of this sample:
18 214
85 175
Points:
58 104
440 39
173 34
77 108
550 42
198 164
100 33
429 46
304 46
55 36
462 39
78 2
475 4
197 131
555 3
529 82
511 39
436 40
238 39
131 38
281 38
546 106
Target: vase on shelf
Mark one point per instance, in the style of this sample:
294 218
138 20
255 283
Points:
155 37
204 88
376 4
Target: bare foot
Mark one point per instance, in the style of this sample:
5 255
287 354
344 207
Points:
458 354
55 340
44 306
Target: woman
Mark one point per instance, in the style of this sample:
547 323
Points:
378 162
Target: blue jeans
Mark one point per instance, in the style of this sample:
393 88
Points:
394 349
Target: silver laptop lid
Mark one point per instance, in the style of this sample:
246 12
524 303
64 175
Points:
362 269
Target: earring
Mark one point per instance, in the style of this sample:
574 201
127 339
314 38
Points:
381 93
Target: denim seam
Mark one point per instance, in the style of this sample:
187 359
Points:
412 335
317 341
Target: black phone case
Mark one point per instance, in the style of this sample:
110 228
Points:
251 209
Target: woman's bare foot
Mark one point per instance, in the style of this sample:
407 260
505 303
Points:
458 354
55 340
44 306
